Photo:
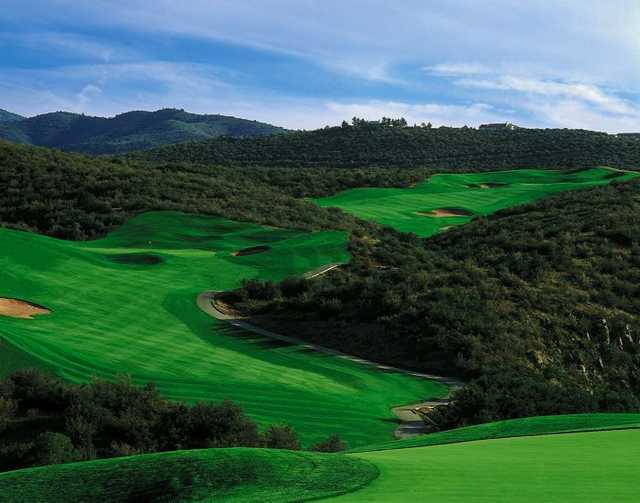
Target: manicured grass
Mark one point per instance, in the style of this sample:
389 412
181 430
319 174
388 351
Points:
478 193
527 426
566 468
138 315
230 475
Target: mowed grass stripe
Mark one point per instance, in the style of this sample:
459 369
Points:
111 317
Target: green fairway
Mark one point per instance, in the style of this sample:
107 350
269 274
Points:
232 475
408 210
566 468
127 304
526 426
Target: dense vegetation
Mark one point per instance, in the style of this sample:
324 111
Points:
539 305
9 116
76 197
72 196
441 149
125 132
44 420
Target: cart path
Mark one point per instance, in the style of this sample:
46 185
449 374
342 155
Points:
410 422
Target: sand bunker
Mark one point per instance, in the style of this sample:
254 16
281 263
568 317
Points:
251 251
445 212
487 185
20 309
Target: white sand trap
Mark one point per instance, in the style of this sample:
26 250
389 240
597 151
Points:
444 212
20 309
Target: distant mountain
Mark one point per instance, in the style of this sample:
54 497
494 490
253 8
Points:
128 131
9 117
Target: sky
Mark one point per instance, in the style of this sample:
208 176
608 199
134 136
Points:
304 64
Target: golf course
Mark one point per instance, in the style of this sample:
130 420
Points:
600 466
529 460
445 200
126 304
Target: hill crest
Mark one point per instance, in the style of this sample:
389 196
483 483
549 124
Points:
134 130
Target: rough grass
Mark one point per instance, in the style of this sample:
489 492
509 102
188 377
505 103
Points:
230 475
477 193
528 426
566 468
111 317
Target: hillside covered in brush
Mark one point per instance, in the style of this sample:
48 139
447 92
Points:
538 305
126 132
443 149
72 196
540 300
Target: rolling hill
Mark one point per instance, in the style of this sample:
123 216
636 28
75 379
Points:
128 131
447 200
567 468
561 458
536 304
232 475
9 116
127 304
441 150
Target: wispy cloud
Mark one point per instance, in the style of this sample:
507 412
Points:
449 62
584 92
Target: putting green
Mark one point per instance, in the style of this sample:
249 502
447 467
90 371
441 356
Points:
127 304
526 426
409 210
565 468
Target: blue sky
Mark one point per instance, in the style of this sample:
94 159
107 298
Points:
308 63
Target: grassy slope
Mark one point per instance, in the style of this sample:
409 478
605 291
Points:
233 475
110 317
573 467
516 428
397 207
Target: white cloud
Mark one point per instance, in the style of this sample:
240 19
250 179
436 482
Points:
571 37
457 69
585 92
576 114
542 63
87 94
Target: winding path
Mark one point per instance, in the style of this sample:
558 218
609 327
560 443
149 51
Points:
411 423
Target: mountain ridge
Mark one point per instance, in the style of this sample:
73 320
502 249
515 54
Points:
133 130
6 116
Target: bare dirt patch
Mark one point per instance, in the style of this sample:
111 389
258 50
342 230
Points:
15 308
445 212
251 251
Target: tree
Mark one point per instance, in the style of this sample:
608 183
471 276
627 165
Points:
51 449
281 437
331 444
8 409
